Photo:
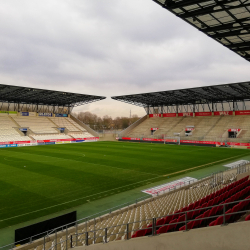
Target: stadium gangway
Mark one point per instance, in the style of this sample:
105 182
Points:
71 230
74 242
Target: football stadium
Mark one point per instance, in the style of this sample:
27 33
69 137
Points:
177 178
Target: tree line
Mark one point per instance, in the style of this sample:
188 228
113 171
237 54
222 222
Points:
106 122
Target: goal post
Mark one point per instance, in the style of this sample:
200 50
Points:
172 140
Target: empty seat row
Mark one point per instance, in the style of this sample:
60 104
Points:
198 210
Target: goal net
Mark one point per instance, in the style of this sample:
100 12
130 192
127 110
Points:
172 140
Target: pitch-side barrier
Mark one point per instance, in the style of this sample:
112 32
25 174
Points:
68 231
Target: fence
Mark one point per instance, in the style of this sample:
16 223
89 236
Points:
67 230
74 239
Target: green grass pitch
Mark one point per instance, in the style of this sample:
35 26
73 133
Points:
37 181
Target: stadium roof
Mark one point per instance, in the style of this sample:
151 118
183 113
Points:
199 95
226 21
26 95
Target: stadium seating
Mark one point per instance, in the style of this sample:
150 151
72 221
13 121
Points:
153 208
205 127
51 137
236 191
39 128
37 125
81 135
66 122
188 199
8 131
145 127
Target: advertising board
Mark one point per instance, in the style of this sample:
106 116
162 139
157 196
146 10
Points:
61 115
186 114
242 112
45 114
234 130
154 115
169 115
223 113
203 113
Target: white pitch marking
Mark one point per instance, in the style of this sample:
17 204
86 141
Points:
73 200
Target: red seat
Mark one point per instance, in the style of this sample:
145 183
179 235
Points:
220 208
190 207
196 204
219 221
212 223
149 229
212 212
160 222
189 226
196 212
168 219
207 198
167 228
162 230
183 209
204 221
172 226
139 233
212 196
247 218
217 200
181 219
247 202
209 204
197 222
176 214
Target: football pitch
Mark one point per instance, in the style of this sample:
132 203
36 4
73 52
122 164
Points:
41 180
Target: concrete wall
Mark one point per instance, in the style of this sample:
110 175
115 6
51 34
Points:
240 176
90 130
235 236
135 124
107 137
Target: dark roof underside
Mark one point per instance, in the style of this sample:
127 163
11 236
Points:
209 94
226 21
24 95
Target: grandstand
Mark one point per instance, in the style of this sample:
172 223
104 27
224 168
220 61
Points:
227 22
31 116
215 200
211 115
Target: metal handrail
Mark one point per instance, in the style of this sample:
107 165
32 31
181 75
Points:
154 226
88 218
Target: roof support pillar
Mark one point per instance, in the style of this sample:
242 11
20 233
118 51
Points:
244 105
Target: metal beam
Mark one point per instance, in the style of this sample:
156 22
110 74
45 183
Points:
211 10
231 33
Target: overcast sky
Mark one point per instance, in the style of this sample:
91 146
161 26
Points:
108 48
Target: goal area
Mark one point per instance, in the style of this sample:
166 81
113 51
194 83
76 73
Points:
172 140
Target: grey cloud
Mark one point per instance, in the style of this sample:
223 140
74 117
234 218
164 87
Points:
108 48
